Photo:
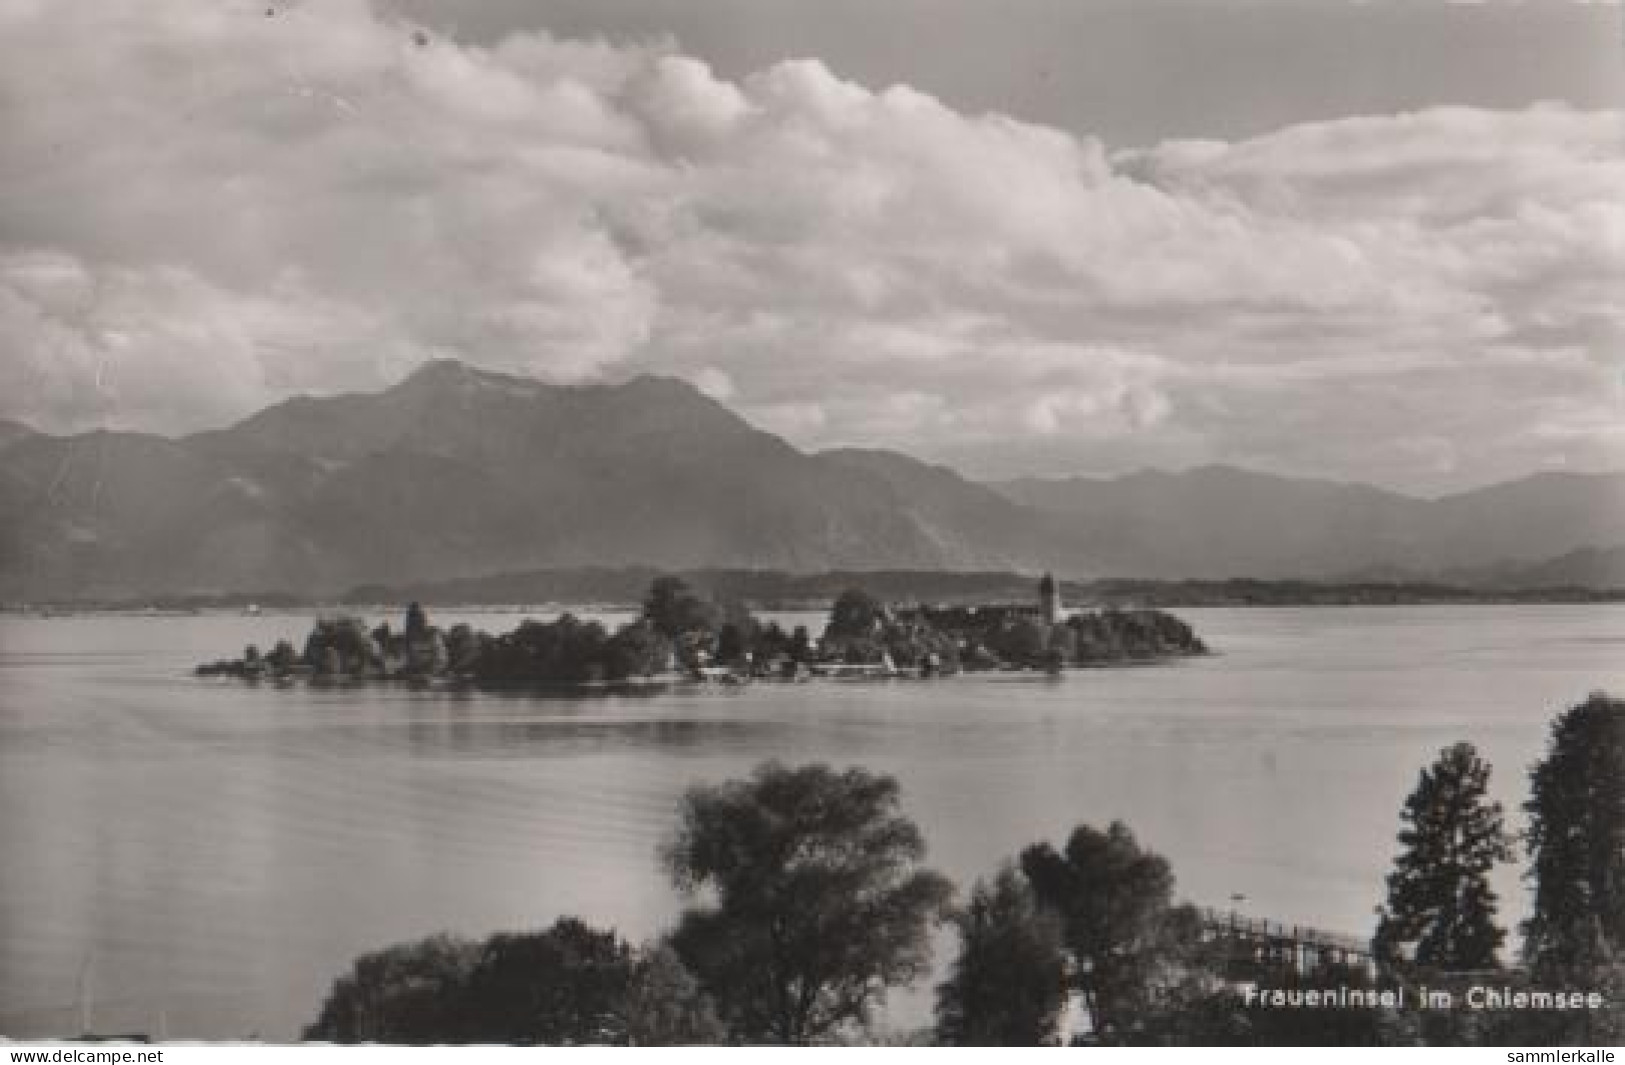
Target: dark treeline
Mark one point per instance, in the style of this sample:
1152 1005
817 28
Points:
763 589
774 589
778 590
682 632
1245 591
809 897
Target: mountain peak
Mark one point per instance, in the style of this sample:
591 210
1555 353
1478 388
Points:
446 367
451 373
1217 473
665 386
448 374
12 432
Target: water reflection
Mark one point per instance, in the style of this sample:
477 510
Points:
560 737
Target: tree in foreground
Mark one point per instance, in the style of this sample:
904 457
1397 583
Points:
564 986
569 985
1575 934
1440 913
411 994
816 899
666 1006
1008 985
1576 840
1126 937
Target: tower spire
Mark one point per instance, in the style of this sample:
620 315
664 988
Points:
1049 599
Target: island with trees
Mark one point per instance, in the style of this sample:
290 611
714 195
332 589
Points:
680 634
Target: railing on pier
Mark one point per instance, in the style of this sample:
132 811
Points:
1257 942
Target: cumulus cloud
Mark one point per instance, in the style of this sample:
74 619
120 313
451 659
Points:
207 207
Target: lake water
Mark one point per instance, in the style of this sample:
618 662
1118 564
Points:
202 858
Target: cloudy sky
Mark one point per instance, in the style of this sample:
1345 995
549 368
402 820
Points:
1382 241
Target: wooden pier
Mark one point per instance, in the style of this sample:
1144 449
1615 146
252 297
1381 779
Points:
1253 946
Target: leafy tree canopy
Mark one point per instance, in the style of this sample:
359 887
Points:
819 898
674 610
1118 920
1576 840
409 994
564 986
854 613
1008 985
666 1005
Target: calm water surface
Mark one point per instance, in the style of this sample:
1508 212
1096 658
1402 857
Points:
202 857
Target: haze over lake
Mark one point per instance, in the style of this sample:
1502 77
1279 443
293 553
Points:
205 857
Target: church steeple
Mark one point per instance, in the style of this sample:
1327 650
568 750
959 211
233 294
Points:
1049 599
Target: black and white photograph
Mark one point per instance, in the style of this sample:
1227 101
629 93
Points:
849 523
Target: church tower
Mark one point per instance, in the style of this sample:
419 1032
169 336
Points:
1049 600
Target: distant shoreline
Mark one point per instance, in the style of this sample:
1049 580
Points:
59 612
770 591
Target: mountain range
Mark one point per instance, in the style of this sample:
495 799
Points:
1219 521
458 472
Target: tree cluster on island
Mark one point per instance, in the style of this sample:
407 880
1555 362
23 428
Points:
809 898
681 632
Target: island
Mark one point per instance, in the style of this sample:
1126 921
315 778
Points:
682 635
